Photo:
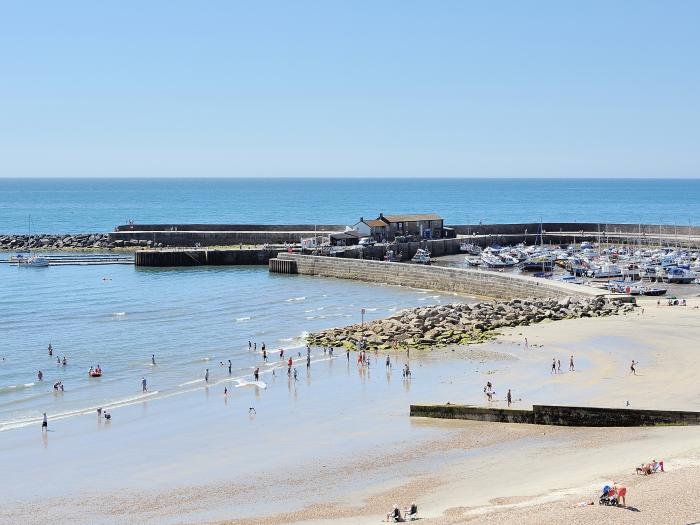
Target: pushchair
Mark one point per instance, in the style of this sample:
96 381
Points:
608 497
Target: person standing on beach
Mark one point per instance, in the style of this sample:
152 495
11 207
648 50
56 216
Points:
347 354
229 367
45 424
554 366
206 376
527 347
558 366
633 370
388 361
143 385
308 362
509 398
571 364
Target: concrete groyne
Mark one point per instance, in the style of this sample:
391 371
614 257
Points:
560 415
459 280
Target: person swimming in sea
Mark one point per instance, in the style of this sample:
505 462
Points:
50 350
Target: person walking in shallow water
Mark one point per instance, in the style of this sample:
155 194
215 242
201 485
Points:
153 359
206 376
45 424
229 367
558 366
143 385
554 366
633 370
571 364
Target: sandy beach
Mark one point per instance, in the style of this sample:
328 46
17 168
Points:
339 445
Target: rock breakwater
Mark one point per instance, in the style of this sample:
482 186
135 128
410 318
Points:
77 241
460 323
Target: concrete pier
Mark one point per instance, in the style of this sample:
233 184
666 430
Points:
561 415
204 257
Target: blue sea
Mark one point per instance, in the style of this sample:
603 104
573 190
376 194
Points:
97 205
195 318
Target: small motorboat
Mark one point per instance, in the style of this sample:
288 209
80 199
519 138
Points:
421 257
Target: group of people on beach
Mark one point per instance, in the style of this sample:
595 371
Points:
409 514
490 392
650 468
556 365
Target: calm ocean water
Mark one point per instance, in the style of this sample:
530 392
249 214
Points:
190 318
72 205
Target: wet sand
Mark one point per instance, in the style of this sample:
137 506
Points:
339 446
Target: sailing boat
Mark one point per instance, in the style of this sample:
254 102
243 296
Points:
34 261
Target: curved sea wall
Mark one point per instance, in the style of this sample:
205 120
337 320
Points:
180 235
458 280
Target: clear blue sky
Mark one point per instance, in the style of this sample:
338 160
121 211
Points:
331 88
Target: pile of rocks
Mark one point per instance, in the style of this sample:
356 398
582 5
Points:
56 242
442 325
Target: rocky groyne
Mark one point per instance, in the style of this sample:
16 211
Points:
74 241
461 323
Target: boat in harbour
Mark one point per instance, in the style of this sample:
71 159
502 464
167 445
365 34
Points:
32 260
469 248
421 257
678 275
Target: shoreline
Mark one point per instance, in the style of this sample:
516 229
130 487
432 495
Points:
443 480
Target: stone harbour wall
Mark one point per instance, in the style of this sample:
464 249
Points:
459 280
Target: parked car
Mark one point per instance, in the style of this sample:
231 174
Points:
367 241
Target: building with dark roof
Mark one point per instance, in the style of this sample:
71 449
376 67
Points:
420 225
